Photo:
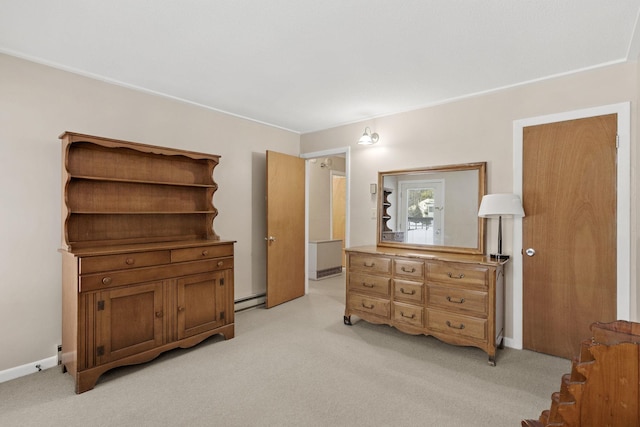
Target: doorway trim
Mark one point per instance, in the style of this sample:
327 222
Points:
623 209
346 151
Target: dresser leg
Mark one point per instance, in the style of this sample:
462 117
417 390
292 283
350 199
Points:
347 320
492 360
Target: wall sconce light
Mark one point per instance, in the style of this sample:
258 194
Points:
368 138
373 188
499 205
327 163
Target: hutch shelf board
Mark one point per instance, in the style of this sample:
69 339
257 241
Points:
457 298
143 270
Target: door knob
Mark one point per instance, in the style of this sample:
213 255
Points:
270 239
530 251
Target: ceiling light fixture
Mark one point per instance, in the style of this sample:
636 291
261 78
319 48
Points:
368 138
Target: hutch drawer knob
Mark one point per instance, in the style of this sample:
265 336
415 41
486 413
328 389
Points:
220 263
106 280
130 261
205 252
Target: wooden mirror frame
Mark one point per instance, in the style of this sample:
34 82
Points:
480 167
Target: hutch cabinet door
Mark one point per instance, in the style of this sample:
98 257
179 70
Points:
201 302
129 320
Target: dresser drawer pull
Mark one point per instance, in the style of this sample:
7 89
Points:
106 280
413 316
408 270
205 252
461 326
368 285
411 292
455 301
452 276
368 307
130 261
366 264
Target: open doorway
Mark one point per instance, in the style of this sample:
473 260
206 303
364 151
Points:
327 181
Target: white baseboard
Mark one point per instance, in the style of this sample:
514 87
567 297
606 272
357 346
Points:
249 302
29 368
511 343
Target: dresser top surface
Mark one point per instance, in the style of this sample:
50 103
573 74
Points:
426 255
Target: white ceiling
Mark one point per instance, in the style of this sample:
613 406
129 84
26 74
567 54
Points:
307 65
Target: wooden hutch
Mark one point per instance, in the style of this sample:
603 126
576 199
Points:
143 270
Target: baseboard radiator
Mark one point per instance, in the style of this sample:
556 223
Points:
325 259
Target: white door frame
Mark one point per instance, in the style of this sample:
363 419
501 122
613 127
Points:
623 209
346 151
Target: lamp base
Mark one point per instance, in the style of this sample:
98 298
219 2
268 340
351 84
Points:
498 257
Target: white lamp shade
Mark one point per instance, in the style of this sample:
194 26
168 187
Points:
365 140
495 205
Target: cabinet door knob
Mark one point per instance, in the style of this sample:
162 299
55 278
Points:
159 314
220 263
205 252
106 280
130 261
180 308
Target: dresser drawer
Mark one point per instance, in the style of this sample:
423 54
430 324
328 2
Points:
370 263
95 264
368 305
404 290
458 299
408 268
201 252
112 279
409 314
369 284
458 274
457 325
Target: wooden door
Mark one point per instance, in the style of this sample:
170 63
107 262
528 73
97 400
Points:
285 228
569 197
338 210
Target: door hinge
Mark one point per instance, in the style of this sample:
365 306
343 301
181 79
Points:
100 350
222 315
222 281
101 305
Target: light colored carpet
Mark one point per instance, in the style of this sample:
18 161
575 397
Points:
298 365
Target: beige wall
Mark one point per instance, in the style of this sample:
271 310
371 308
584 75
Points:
37 104
478 128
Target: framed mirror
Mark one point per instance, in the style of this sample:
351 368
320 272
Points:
432 208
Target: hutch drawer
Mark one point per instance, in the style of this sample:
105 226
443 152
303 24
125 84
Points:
197 253
95 264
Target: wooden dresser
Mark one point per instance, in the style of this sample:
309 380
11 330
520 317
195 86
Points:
456 298
142 269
